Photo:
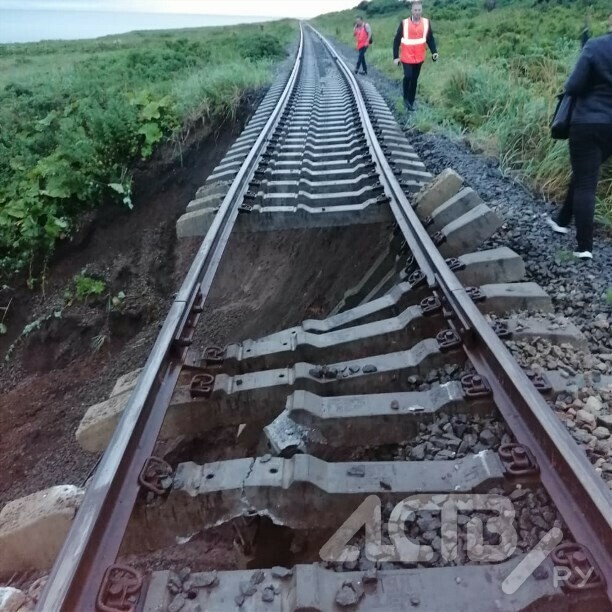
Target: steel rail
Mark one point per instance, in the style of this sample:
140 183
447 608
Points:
582 498
95 537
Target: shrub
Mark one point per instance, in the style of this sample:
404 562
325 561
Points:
261 46
83 112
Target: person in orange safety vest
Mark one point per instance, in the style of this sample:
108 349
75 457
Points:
363 36
413 37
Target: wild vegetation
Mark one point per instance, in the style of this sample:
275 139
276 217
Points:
76 116
501 65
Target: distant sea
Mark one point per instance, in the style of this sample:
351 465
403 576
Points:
35 25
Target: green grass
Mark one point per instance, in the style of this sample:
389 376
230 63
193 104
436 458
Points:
77 115
497 77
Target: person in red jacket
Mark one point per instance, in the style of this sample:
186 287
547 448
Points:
363 36
413 37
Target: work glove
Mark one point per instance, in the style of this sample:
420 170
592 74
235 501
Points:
397 61
434 57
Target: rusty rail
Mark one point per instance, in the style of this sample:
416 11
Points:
95 538
96 535
581 497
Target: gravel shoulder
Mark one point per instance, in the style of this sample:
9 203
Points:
581 291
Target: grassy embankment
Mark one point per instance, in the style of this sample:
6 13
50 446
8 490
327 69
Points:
76 116
497 77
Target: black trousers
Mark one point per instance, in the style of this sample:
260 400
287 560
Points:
411 77
590 145
361 63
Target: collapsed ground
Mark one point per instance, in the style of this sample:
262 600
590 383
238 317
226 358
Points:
46 406
54 373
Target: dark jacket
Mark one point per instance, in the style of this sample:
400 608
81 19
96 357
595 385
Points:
591 83
431 41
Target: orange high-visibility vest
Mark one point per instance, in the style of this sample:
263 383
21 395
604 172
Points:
362 36
414 41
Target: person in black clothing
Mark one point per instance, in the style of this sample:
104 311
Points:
409 50
590 138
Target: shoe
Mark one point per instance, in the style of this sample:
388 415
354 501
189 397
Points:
583 254
558 229
364 73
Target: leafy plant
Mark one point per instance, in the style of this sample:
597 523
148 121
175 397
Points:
86 287
32 326
124 188
76 116
155 116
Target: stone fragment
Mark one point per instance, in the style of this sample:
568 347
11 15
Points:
268 594
178 603
11 600
281 572
370 576
205 580
586 418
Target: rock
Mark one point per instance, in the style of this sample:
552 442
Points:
330 373
429 536
604 447
593 404
538 521
581 436
205 580
518 494
178 603
370 576
369 369
418 452
248 589
281 572
185 573
175 584
605 420
350 594
586 418
488 438
11 599
601 433
268 594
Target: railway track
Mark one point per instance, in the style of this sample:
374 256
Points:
403 392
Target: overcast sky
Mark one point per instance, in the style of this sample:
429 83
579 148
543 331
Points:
268 8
